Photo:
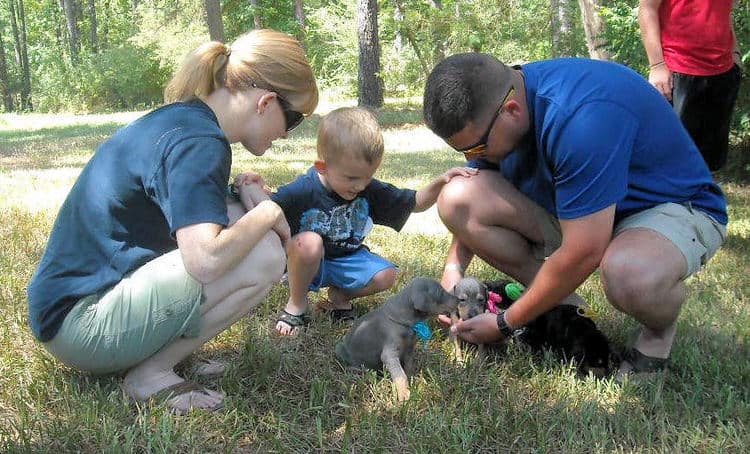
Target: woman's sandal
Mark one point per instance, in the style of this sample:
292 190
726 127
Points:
169 396
294 321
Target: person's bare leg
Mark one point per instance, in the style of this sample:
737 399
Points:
383 280
497 223
304 252
226 301
642 276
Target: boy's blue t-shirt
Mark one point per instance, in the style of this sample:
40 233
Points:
164 171
343 224
602 135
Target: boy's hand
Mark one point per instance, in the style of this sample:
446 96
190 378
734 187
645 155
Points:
249 177
459 172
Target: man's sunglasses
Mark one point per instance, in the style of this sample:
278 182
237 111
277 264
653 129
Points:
477 149
291 116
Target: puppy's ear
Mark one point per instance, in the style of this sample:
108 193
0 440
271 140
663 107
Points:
422 302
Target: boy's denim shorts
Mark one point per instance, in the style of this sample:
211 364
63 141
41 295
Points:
351 271
119 328
695 233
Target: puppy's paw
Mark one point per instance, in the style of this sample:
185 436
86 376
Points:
402 389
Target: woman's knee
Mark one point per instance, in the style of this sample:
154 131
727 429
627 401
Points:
267 260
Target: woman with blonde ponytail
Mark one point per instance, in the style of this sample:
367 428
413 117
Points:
148 258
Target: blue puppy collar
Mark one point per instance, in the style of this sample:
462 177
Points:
423 331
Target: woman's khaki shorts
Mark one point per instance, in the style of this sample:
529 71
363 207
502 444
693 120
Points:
121 327
696 234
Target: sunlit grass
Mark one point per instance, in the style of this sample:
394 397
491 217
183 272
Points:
290 395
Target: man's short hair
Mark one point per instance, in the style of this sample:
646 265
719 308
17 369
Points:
350 131
461 88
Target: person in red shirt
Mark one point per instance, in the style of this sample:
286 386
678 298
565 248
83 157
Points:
694 61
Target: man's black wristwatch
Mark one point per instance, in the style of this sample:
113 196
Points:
502 325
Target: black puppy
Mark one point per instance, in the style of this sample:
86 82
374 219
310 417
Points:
564 330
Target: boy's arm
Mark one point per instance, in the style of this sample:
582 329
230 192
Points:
427 196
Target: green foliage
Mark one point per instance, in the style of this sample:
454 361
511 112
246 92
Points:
623 36
126 77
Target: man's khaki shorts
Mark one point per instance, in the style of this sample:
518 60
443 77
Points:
121 327
695 233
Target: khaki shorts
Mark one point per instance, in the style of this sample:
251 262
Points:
695 233
120 327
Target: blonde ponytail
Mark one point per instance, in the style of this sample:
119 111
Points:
265 59
199 74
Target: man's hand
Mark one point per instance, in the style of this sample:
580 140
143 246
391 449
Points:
481 329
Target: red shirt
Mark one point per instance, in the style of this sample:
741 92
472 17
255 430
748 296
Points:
696 36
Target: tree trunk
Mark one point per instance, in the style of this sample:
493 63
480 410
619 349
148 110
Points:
26 71
257 22
299 13
370 83
213 18
14 30
69 6
4 80
562 28
593 27
94 26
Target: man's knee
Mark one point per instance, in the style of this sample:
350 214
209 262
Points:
628 281
453 201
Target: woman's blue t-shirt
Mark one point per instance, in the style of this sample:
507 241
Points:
166 170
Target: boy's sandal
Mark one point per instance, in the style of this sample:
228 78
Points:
341 315
292 320
337 315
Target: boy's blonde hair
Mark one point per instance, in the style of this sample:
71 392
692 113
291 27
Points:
265 59
350 131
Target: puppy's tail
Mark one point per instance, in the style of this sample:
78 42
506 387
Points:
342 354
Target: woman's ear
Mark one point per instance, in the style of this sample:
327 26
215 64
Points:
264 101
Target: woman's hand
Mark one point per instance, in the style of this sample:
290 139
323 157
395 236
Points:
249 178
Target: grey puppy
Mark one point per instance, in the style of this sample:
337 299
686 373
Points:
472 301
386 337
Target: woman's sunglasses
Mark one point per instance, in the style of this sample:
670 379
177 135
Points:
291 116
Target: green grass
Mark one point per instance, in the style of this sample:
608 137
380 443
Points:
290 395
